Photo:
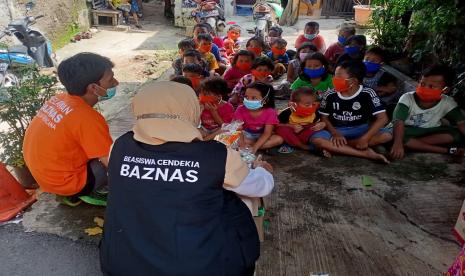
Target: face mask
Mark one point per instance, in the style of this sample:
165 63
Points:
341 39
351 50
244 66
233 36
256 50
314 73
260 74
195 82
278 52
310 36
302 111
429 94
110 93
255 104
372 67
204 99
302 56
205 48
340 84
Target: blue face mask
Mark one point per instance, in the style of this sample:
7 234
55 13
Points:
255 104
351 50
111 92
341 39
314 73
310 36
372 67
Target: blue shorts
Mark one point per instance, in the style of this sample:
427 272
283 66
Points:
251 135
349 133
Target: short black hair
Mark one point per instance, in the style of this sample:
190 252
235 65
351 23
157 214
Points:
183 80
205 37
386 79
235 27
202 25
277 29
313 24
355 69
310 45
192 53
443 70
263 61
376 50
297 94
78 71
215 85
316 56
259 40
358 39
279 41
264 88
193 68
186 44
242 53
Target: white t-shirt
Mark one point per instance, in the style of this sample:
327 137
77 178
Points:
426 118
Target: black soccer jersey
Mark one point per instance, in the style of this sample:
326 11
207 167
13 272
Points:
351 111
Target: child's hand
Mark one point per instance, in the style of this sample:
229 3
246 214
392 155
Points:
397 151
338 140
297 128
211 107
259 163
362 143
319 126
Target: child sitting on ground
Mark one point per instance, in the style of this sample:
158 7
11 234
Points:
348 112
183 46
354 49
297 123
274 33
256 46
232 43
279 57
417 117
194 72
205 47
241 66
215 111
293 69
261 71
259 116
336 49
194 57
311 35
314 74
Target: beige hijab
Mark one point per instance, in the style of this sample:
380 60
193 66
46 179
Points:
166 111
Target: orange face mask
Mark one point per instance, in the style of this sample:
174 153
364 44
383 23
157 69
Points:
195 82
278 52
256 50
428 94
340 84
233 35
302 111
205 48
244 66
204 99
260 74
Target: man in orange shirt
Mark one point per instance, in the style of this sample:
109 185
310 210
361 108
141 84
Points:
67 144
311 34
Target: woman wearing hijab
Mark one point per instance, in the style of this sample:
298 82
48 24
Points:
173 207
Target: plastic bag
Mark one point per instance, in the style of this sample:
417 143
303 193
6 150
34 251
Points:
231 134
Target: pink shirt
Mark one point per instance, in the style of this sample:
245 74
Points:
226 112
256 124
318 41
233 75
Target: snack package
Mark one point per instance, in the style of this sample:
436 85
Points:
231 134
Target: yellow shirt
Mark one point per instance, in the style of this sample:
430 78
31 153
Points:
296 120
211 60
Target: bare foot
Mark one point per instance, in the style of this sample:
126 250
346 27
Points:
371 154
326 153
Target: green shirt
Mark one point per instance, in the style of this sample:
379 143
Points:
320 88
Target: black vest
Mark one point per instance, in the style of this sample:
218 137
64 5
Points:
168 213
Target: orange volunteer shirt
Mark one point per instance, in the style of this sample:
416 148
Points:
64 135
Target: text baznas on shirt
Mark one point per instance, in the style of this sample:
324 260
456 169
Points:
160 169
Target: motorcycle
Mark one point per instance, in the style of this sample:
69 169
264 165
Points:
210 12
265 14
35 49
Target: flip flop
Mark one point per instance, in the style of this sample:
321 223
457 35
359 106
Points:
285 149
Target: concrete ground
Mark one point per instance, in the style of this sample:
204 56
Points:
320 218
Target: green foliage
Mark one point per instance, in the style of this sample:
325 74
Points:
18 107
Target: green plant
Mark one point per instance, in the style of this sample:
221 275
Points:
387 25
18 107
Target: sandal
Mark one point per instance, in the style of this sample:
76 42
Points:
285 149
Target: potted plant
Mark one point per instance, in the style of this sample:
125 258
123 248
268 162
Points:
362 12
18 106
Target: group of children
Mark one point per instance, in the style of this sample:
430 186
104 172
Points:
341 100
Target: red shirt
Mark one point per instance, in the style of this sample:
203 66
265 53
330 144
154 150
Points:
318 41
233 75
226 112
218 41
334 51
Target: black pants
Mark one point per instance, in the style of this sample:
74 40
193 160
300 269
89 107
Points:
97 177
